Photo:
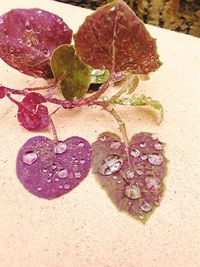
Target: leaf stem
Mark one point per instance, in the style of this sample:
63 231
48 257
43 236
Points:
53 128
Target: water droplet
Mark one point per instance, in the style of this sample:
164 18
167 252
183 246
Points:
139 172
65 28
132 191
145 206
112 9
29 157
115 144
154 136
1 20
141 216
60 148
28 43
19 40
12 50
109 108
60 187
114 177
130 174
81 144
102 138
126 102
63 174
142 144
110 165
28 26
39 12
56 180
152 183
82 161
135 153
155 159
67 186
77 175
158 146
97 72
39 188
144 157
60 21
53 166
46 52
44 170
38 31
49 180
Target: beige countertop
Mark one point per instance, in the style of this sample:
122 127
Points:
83 228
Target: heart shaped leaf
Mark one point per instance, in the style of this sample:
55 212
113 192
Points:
75 76
136 186
114 38
51 169
28 46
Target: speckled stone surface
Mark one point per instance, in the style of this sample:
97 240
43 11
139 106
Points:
84 228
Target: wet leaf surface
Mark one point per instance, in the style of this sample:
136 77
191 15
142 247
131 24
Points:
137 189
48 169
114 38
75 76
29 46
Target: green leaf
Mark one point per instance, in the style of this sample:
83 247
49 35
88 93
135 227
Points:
99 76
75 76
140 101
129 86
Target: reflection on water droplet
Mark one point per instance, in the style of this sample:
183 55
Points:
81 144
142 144
158 146
60 186
154 136
46 52
11 50
144 157
82 161
145 206
102 138
139 172
1 20
63 174
132 191
28 43
56 179
155 159
29 157
77 175
152 183
110 165
135 153
60 21
60 148
19 40
112 9
39 188
114 177
49 180
97 72
48 29
44 170
130 174
38 30
39 12
67 186
141 216
65 28
28 26
115 144
53 166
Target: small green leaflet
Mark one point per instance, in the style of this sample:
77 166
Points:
139 101
75 76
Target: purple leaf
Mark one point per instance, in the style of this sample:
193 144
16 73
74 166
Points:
114 38
29 46
137 189
48 169
32 115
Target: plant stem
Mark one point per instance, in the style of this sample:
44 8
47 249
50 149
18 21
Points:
53 128
109 108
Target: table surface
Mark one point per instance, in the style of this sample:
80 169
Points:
83 228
